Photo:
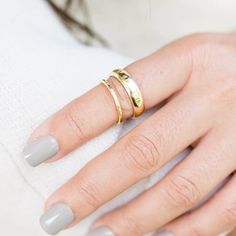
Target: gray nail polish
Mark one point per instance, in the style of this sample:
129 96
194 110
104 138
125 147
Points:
101 231
40 150
165 233
56 218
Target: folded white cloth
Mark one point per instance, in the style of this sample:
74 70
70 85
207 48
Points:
41 69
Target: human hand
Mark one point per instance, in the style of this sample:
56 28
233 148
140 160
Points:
197 77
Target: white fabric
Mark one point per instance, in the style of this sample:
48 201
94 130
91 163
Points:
149 24
41 69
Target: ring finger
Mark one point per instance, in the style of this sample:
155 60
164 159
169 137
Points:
78 121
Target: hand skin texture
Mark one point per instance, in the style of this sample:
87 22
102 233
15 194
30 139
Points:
196 76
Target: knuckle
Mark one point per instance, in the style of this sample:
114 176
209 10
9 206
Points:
197 40
200 37
182 192
90 194
202 44
75 124
142 153
230 214
193 231
131 224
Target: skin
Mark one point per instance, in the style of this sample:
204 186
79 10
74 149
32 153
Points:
196 76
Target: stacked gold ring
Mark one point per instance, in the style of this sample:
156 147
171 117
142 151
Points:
132 90
116 100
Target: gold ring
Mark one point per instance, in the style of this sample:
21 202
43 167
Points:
131 89
116 100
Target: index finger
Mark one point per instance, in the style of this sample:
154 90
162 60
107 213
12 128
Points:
94 112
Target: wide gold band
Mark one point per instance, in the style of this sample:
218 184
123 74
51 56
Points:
131 89
116 100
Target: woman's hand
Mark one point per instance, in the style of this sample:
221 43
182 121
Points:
197 74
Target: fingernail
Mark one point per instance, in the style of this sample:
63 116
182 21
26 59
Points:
40 150
56 218
165 233
101 231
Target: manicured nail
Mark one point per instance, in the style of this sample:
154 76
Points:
101 231
40 150
164 233
56 218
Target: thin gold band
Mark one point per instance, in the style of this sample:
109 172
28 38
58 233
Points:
116 100
131 89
